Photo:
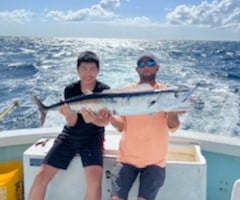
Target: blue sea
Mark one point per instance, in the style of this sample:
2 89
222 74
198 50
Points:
44 66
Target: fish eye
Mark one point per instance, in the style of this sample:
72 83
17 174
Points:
152 102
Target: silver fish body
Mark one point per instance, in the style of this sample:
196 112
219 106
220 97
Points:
126 103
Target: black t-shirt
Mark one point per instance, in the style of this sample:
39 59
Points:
83 130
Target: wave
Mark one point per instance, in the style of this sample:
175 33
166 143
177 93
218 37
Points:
26 64
20 70
234 76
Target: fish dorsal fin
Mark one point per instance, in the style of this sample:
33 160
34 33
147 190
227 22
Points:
131 88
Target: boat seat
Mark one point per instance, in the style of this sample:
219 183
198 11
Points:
236 190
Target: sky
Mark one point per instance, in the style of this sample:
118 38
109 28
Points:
134 19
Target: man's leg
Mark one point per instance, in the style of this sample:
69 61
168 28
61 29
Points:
151 179
122 179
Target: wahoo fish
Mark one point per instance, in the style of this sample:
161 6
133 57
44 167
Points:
125 102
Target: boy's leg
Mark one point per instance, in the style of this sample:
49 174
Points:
94 182
92 161
58 157
40 183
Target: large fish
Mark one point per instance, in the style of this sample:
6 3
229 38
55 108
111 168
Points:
122 102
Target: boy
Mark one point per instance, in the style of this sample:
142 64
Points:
83 134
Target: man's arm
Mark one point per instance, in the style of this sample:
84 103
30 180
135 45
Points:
118 122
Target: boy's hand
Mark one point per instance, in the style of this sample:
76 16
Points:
88 115
103 116
65 110
70 116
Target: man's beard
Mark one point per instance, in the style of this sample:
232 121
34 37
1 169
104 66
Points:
147 78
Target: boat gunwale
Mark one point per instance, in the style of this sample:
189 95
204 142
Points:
208 142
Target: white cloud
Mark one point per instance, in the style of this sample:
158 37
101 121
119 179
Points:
70 16
109 4
18 15
98 11
104 9
133 21
217 14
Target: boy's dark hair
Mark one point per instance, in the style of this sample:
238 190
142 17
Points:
88 57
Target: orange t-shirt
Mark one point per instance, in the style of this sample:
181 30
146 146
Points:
144 139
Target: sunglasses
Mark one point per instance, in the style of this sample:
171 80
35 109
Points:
148 63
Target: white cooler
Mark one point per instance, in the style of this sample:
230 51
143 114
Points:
185 173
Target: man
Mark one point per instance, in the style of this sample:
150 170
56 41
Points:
83 134
143 144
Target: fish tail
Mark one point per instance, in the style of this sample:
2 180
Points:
41 108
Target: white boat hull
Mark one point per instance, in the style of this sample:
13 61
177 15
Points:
186 168
221 154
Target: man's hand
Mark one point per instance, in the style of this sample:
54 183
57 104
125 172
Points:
118 122
173 120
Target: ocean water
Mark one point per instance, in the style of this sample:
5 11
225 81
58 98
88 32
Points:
44 66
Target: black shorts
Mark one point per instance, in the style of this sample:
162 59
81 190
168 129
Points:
123 176
66 147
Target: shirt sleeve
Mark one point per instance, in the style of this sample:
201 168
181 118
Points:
67 93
